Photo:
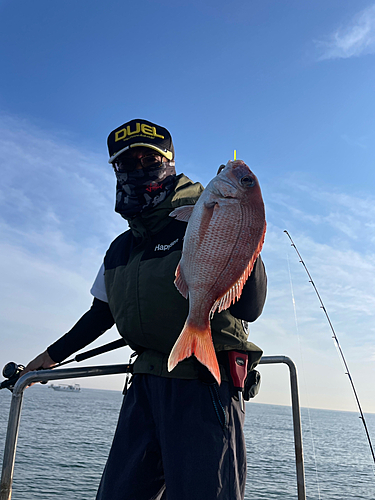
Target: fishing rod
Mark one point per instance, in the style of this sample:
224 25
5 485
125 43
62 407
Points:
12 371
334 336
116 344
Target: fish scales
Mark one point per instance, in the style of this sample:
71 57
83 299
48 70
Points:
219 259
224 236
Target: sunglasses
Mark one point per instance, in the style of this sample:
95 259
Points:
130 164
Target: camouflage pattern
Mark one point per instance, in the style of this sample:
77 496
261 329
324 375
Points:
141 190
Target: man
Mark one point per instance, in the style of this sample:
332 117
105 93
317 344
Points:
179 434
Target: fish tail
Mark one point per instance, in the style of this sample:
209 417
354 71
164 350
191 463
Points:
197 341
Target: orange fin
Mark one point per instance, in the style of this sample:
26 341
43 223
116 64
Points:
180 282
234 293
182 213
194 340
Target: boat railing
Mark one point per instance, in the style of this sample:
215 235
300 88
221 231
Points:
94 371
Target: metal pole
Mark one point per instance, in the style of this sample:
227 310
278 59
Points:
301 490
10 447
16 405
46 375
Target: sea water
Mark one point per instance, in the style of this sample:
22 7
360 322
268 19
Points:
65 438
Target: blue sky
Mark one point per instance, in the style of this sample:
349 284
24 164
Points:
289 85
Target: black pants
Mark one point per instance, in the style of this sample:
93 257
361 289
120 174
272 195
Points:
176 440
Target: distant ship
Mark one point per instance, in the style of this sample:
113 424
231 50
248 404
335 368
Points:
65 387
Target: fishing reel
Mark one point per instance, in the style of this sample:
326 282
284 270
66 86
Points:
11 372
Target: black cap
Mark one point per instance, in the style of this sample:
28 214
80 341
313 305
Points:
140 133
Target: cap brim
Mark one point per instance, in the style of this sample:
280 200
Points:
167 154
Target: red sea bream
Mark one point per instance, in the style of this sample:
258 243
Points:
224 236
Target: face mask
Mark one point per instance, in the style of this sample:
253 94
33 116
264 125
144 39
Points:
141 190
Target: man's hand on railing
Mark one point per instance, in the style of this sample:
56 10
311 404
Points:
42 361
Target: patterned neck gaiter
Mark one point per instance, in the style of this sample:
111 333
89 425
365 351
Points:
141 190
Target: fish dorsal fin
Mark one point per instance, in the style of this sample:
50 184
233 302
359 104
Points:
182 213
235 291
180 282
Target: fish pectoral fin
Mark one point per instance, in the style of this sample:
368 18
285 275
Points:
182 213
193 340
206 216
180 282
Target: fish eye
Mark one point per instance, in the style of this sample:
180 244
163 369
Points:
247 181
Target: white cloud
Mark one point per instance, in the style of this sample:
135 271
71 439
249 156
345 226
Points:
360 142
338 218
54 196
355 39
333 232
56 221
345 279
